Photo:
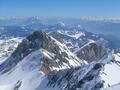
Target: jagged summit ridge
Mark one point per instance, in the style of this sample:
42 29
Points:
40 40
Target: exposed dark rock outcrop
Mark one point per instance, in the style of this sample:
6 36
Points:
92 52
72 80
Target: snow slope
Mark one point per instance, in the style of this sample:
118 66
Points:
7 46
25 73
112 72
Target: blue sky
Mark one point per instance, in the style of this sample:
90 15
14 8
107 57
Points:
59 8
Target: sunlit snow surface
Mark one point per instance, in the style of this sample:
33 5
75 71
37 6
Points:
111 74
75 35
115 87
7 46
27 72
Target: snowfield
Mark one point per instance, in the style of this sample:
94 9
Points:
7 46
26 72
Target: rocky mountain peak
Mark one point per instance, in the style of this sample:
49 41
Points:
54 53
35 41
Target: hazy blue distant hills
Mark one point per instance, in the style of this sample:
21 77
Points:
108 29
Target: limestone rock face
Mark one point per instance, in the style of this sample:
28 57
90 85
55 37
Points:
91 52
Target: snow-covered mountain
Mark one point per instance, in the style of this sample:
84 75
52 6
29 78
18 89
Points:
35 57
83 44
7 46
63 59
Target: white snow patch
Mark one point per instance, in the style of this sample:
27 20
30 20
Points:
75 35
7 46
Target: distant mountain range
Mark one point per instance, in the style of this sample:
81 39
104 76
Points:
107 29
93 24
